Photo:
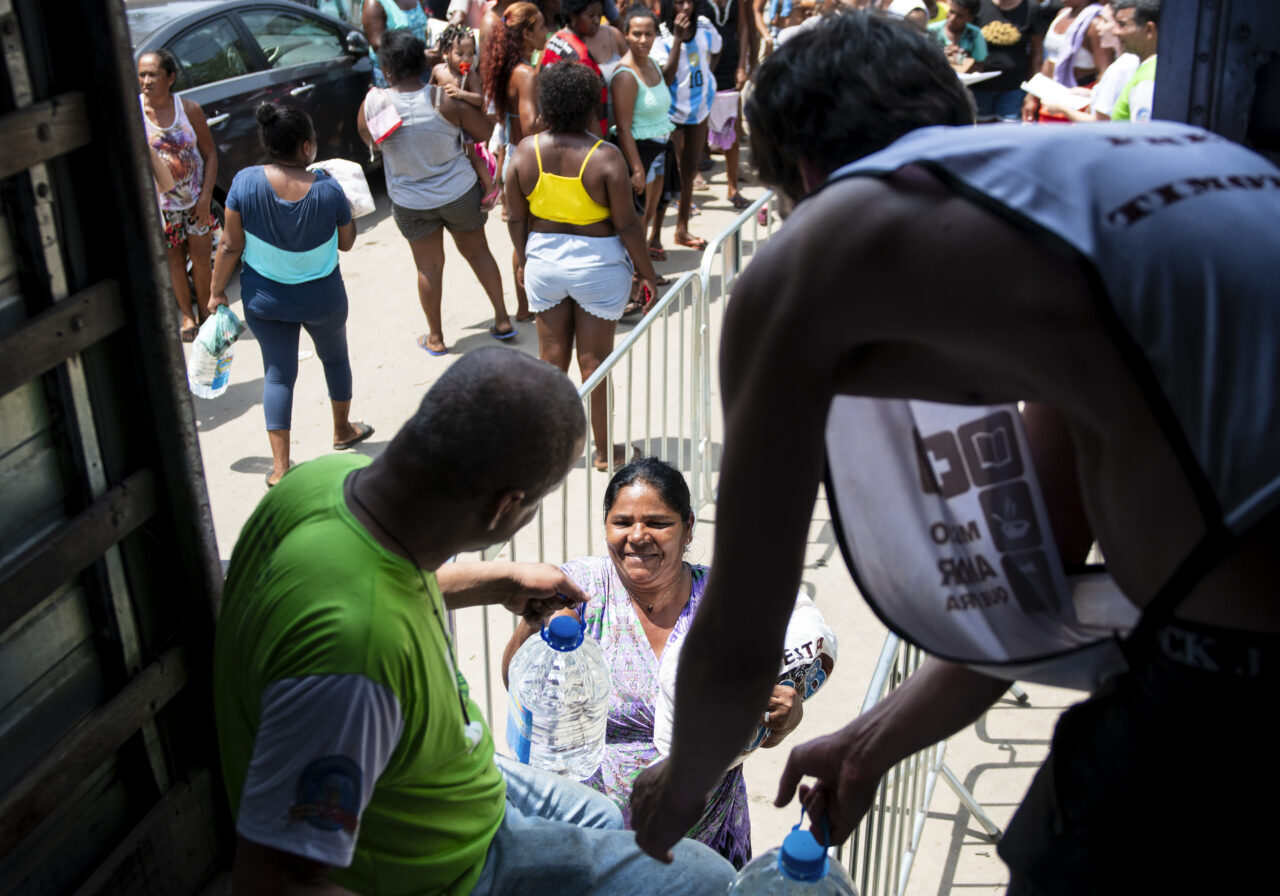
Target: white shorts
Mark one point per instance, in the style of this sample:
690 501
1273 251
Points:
594 271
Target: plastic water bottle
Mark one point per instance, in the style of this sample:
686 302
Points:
208 376
558 700
799 866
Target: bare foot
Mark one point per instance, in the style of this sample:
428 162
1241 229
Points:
619 458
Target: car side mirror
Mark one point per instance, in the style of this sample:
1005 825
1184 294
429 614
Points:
357 44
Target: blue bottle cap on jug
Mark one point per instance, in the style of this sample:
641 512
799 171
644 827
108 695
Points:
564 633
802 857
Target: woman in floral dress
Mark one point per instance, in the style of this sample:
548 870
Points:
643 597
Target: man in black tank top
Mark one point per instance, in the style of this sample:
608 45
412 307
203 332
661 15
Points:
1154 783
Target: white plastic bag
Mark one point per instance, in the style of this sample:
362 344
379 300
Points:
209 364
350 176
809 650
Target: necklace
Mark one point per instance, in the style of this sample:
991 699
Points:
721 13
453 662
649 608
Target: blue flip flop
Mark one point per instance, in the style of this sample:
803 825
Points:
510 334
422 344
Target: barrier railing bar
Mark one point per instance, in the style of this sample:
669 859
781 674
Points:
975 809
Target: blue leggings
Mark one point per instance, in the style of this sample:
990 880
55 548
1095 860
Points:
278 340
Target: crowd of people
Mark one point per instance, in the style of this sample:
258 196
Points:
352 753
449 115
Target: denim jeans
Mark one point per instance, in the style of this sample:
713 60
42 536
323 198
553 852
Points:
559 836
1005 106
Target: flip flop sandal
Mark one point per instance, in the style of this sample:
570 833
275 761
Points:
696 242
422 344
271 484
189 334
739 201
657 253
365 431
499 334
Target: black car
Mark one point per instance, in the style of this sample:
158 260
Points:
233 56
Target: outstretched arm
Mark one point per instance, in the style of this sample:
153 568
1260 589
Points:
532 591
729 665
865 318
934 703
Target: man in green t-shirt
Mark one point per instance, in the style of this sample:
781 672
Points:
1138 26
354 759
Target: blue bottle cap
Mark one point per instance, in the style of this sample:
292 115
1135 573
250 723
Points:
564 633
802 857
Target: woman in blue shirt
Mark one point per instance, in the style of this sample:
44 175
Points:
289 224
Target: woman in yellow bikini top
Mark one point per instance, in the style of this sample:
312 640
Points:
576 236
564 200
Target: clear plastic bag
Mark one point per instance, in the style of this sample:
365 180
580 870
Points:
350 176
209 364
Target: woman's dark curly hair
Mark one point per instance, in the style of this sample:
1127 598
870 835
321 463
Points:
402 56
569 96
503 51
846 89
283 130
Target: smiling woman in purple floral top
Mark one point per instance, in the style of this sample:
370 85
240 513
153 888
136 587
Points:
643 598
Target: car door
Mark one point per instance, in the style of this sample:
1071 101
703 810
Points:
318 65
221 71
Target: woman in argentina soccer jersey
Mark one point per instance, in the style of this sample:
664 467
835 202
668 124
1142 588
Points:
687 48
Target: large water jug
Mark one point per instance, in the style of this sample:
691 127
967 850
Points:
799 867
558 700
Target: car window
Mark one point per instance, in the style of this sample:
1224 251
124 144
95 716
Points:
290 38
212 51
347 10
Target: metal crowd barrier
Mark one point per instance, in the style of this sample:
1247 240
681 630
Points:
880 852
662 382
660 379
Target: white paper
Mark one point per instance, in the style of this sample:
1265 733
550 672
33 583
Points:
1052 93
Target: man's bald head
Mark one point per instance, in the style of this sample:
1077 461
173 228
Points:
496 420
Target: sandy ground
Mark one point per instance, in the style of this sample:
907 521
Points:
995 759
